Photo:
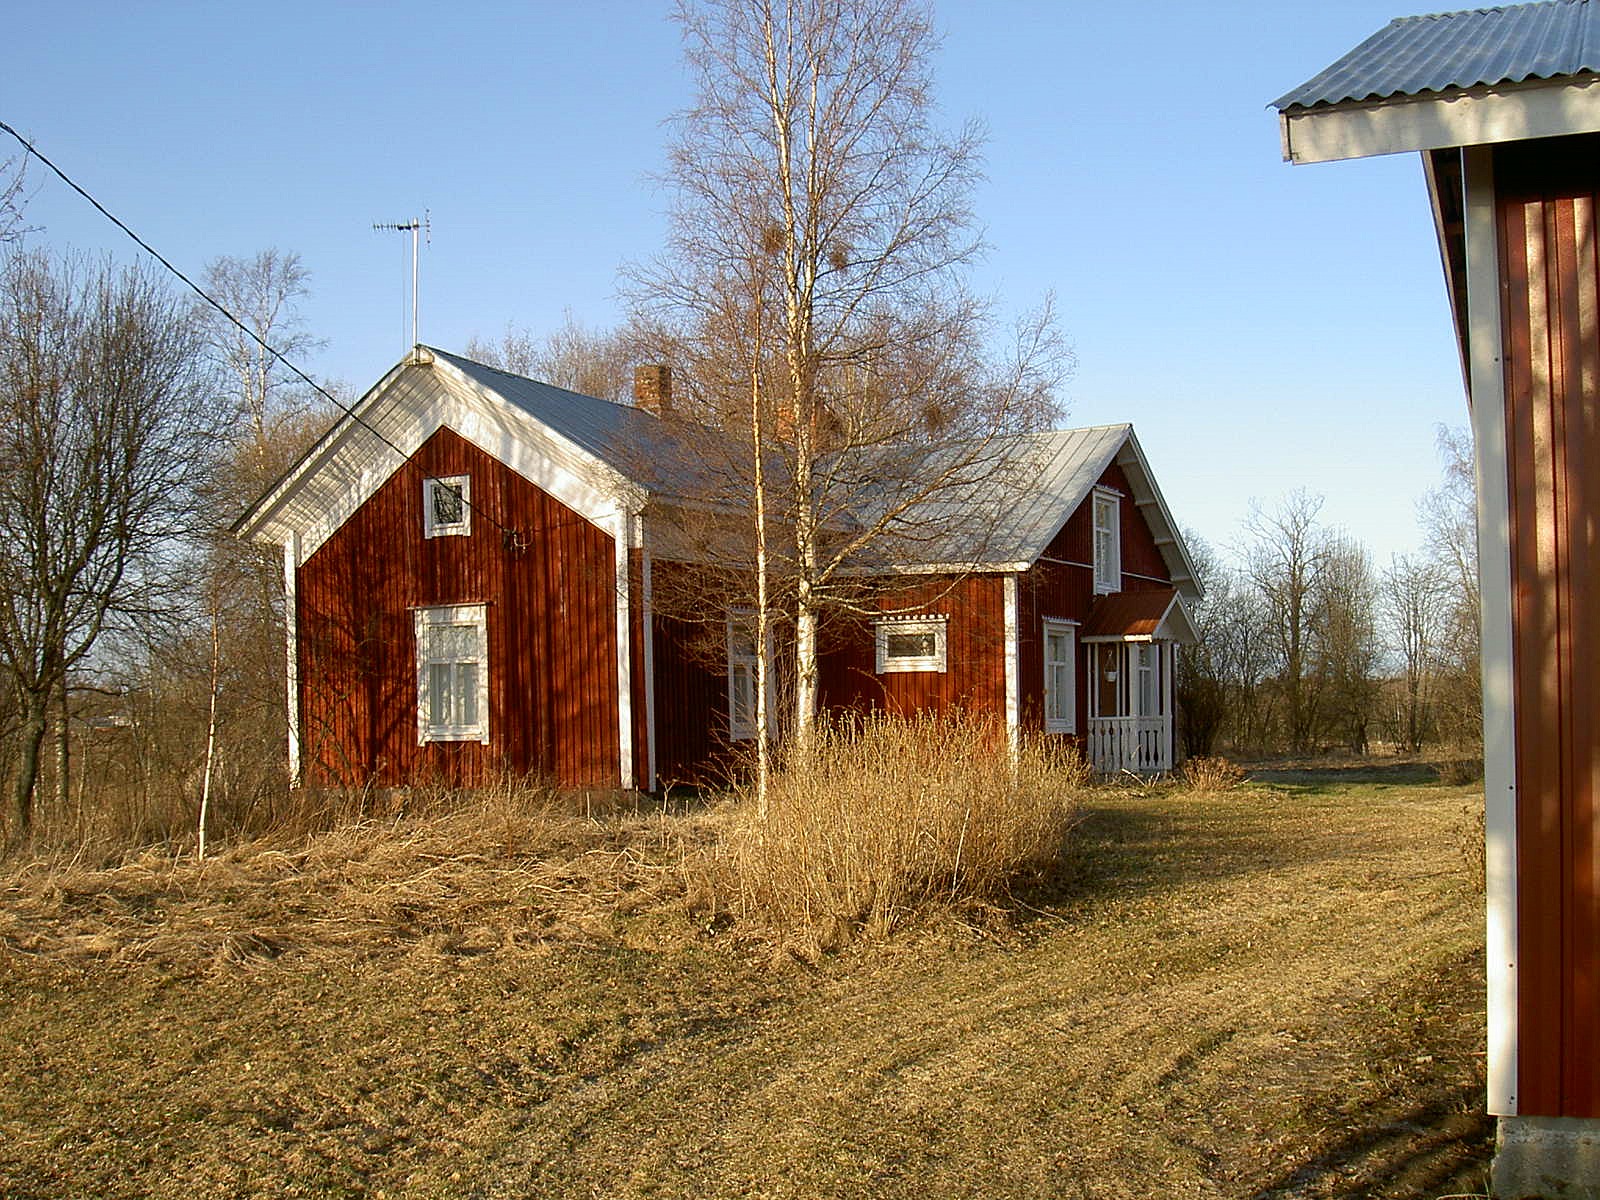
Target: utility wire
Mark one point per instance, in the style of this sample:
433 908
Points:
240 325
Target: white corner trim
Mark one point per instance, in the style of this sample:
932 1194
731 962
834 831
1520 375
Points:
620 543
291 632
1471 117
647 602
1494 576
1013 671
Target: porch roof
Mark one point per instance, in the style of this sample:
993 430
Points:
1148 615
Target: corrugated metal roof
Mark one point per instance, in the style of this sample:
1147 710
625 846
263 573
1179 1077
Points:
635 443
1129 614
1010 514
1445 51
1017 493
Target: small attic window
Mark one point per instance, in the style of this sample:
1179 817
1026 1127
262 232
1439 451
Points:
447 506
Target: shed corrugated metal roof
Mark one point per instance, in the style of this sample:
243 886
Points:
1448 51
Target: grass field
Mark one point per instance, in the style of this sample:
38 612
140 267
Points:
1273 992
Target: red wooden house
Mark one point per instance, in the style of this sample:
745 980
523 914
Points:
472 560
1503 105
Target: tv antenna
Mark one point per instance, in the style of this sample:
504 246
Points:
415 228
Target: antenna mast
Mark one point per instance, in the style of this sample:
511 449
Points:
414 227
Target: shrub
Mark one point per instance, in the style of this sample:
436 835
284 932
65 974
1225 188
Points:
1208 776
1459 772
886 816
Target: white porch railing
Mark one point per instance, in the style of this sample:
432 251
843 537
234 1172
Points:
1142 745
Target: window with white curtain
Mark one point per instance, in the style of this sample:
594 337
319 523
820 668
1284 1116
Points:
452 673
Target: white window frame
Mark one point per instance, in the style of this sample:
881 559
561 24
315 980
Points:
742 621
936 625
432 527
1106 514
1066 720
457 616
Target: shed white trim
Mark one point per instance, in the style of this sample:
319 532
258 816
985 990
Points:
410 405
1494 574
1461 117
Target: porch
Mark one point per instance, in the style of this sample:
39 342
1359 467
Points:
1142 745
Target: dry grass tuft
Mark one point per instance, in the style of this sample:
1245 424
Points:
1211 776
886 817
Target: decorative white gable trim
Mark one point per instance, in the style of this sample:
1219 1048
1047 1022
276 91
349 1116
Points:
408 407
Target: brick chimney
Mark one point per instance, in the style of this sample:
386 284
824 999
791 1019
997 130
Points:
652 388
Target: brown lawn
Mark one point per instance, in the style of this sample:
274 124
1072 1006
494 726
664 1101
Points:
1276 992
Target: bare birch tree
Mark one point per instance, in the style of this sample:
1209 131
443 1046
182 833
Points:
821 234
264 293
104 443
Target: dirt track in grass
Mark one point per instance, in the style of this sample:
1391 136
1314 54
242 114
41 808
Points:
1275 993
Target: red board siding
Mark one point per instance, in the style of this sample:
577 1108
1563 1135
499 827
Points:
551 597
1061 586
1141 557
691 681
1547 213
975 675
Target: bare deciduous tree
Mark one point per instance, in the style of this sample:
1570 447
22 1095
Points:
1286 560
263 292
1415 603
820 237
572 357
1450 525
12 200
1346 637
106 434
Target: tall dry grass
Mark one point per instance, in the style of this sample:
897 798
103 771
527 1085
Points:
885 816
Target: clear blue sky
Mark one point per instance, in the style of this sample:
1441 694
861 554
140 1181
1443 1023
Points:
1265 327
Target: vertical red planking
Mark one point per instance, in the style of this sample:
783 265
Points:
551 711
1550 296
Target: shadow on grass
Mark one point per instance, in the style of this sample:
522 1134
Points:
1437 1142
1122 849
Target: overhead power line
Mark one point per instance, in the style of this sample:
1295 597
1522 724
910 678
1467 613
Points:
279 357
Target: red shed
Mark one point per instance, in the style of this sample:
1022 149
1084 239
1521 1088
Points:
1504 106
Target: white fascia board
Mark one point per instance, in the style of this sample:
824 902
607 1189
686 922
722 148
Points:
1463 117
1498 657
509 434
259 523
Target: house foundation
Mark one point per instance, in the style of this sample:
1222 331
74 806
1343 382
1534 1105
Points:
1553 1158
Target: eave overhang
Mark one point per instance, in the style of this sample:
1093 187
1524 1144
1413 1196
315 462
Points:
1435 120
